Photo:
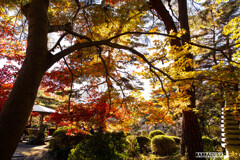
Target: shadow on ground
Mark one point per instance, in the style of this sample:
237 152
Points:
25 151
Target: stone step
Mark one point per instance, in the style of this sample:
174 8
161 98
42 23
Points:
232 136
229 118
227 121
232 141
228 126
232 131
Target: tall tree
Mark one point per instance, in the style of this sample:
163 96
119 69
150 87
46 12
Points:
39 59
23 94
221 65
191 135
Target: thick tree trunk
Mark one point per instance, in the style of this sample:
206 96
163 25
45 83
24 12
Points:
183 143
191 133
192 136
167 19
16 111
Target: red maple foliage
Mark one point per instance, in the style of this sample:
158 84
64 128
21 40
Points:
11 54
34 114
7 74
97 112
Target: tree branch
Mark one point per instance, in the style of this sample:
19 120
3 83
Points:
57 43
78 9
170 7
107 78
114 45
107 42
119 84
167 19
71 87
166 35
89 87
175 37
73 48
78 35
165 92
57 28
91 43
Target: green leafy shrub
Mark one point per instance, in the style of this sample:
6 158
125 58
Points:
176 139
83 150
138 133
144 133
155 132
38 139
132 146
61 144
207 144
217 144
132 139
163 145
144 144
100 146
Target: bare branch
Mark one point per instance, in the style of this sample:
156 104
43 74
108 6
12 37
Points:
86 19
119 84
107 77
78 35
76 13
165 92
89 87
71 86
57 43
70 93
170 7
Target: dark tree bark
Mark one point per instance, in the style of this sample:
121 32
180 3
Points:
191 133
167 19
16 111
183 143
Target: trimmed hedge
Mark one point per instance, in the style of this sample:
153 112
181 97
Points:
61 144
163 145
100 146
132 146
207 144
144 144
39 139
176 139
144 133
132 139
155 132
